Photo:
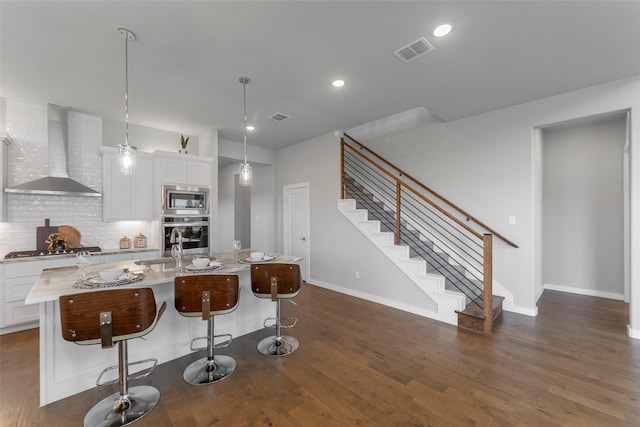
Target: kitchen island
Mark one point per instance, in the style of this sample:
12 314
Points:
67 368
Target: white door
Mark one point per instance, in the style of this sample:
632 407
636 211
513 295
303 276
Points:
296 220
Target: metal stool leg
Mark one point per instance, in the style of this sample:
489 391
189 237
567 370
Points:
126 406
212 368
278 345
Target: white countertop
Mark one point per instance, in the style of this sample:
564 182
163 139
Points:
102 252
55 282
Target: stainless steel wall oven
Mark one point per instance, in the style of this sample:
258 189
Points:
194 231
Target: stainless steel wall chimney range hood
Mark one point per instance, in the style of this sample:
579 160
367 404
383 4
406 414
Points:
57 183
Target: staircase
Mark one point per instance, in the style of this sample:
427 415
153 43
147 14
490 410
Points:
442 255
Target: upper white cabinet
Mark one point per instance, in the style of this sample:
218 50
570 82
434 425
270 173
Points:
199 172
175 168
126 197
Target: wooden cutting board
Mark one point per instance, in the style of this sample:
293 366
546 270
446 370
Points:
42 233
72 234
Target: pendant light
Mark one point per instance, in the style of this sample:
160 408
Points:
126 153
245 175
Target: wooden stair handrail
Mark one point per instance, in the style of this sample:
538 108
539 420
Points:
453 205
417 194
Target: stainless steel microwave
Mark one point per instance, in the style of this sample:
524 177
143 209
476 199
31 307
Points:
185 200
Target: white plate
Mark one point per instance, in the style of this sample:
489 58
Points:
99 281
211 266
264 259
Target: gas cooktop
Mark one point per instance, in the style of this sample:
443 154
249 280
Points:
32 254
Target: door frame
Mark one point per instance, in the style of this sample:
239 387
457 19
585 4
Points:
538 142
286 224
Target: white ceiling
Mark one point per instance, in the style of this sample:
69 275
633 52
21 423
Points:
188 56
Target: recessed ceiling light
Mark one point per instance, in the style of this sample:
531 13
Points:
443 29
338 83
250 128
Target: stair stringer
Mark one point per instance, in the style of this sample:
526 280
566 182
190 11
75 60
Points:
433 285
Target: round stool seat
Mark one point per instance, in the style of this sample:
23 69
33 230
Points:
204 371
271 346
139 402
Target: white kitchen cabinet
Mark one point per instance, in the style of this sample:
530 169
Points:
199 173
126 197
4 141
181 169
3 179
17 278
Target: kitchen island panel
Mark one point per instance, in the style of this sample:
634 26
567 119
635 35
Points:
70 368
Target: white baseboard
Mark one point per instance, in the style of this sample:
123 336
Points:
633 333
374 298
405 307
17 328
533 312
587 292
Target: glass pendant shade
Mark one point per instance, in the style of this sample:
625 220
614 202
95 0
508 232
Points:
127 159
245 176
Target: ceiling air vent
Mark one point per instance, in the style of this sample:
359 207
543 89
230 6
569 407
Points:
278 117
414 50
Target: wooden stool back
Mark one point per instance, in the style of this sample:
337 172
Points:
223 292
288 280
133 311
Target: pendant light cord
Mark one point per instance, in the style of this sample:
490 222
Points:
126 35
244 81
126 89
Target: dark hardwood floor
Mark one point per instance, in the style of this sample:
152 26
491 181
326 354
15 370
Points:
364 364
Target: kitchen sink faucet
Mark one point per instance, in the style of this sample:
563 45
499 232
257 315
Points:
172 240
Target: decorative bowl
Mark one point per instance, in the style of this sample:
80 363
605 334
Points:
257 256
111 275
200 262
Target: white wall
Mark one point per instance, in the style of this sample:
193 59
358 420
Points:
583 208
208 147
263 216
146 139
225 215
485 164
255 155
338 250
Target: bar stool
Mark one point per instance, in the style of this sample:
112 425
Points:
207 295
277 281
108 317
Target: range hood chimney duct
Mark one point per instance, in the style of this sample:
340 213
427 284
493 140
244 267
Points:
57 183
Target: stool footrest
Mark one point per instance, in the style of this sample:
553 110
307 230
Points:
135 376
222 344
294 320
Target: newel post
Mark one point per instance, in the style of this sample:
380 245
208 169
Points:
398 210
488 284
342 168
